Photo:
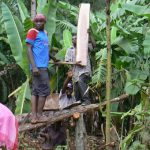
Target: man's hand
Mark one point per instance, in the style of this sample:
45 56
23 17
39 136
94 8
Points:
78 62
35 71
70 74
55 59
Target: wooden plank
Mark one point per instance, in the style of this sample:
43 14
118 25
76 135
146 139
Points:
82 34
62 63
52 102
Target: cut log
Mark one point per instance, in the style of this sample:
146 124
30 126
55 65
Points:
54 116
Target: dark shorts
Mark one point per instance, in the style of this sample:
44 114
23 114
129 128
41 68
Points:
41 84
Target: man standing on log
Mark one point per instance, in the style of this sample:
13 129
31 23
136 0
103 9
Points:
38 55
81 75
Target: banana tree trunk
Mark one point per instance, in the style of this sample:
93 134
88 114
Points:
33 8
108 77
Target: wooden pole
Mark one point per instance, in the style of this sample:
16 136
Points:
33 8
108 77
80 134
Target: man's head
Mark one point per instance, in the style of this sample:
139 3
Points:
39 21
74 40
69 90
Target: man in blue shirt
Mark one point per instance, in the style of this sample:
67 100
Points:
38 54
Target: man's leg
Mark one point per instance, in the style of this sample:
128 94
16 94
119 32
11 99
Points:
43 90
41 103
77 92
40 115
84 89
34 102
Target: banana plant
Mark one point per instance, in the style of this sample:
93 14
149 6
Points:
16 33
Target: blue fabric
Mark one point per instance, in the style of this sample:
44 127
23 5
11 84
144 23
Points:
40 49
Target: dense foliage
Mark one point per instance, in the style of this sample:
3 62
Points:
130 38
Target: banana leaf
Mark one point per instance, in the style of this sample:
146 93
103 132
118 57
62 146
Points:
4 58
12 33
100 73
22 97
19 27
67 38
28 24
146 44
130 46
137 9
23 10
50 12
40 5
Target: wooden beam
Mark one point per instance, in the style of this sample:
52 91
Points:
62 63
54 116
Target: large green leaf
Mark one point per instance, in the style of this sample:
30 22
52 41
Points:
50 12
12 33
67 38
23 10
28 24
131 88
73 10
130 46
146 44
139 10
40 5
4 58
113 34
21 97
19 27
4 39
64 24
100 73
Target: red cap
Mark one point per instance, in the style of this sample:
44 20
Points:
39 17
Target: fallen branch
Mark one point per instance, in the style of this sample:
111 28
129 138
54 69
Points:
54 116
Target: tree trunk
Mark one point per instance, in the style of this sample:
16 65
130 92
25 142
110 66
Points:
80 135
108 77
33 8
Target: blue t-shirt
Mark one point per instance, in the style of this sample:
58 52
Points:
40 48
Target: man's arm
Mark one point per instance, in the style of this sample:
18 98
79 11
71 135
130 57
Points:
31 60
91 40
68 79
53 58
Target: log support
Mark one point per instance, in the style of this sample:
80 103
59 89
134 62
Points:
80 134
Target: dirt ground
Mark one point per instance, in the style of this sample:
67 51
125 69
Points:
31 141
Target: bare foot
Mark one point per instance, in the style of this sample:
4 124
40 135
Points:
42 118
34 119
